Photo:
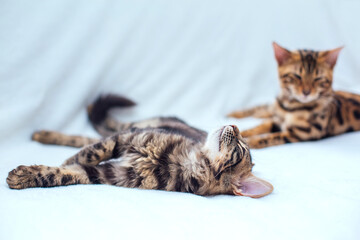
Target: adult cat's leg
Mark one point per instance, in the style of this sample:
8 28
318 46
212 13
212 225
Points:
266 127
44 176
263 111
56 138
271 139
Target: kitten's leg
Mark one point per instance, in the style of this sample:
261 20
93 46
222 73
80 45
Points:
56 138
271 139
266 127
44 176
263 111
103 150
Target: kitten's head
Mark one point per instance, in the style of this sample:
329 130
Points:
230 157
305 75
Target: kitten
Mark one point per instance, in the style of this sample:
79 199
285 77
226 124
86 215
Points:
307 108
160 153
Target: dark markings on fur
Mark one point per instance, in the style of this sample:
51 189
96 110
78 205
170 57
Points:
108 170
263 141
99 146
229 163
357 114
44 182
307 108
66 179
138 181
286 140
161 172
148 138
238 161
317 126
194 185
350 129
297 76
132 176
354 102
117 150
97 157
275 128
93 174
51 178
308 59
338 111
179 181
35 168
89 157
293 134
303 129
133 150
36 182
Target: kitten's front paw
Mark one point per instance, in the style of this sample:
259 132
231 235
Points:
22 177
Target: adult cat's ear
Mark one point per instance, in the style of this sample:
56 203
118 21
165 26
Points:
252 186
281 54
331 56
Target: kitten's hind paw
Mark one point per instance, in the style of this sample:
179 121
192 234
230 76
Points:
22 177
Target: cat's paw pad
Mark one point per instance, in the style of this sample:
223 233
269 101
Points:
22 177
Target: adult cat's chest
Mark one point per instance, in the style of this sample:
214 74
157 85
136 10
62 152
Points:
286 119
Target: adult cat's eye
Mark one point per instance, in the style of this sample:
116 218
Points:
324 84
288 80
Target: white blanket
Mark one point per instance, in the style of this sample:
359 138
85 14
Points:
197 60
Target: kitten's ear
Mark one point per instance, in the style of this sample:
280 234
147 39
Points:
331 56
252 186
281 54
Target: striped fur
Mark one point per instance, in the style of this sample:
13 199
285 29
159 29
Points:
160 153
307 108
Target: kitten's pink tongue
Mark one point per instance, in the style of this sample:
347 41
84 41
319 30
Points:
254 187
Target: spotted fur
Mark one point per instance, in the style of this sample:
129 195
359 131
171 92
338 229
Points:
159 153
307 108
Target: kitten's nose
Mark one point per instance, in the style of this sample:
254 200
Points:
306 92
235 128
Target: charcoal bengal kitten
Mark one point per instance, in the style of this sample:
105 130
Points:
307 107
160 153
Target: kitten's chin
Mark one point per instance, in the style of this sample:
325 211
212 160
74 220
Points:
305 99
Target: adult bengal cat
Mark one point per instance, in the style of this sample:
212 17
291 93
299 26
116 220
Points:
307 108
159 153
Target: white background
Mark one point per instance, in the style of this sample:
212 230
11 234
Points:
197 60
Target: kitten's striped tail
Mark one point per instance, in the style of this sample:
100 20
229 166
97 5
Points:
98 114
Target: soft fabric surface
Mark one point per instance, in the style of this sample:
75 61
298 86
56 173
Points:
197 60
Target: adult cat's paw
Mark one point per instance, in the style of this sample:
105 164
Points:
22 177
236 114
43 136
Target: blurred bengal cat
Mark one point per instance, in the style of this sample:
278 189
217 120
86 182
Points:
307 108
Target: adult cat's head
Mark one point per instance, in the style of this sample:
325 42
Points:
305 75
230 157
